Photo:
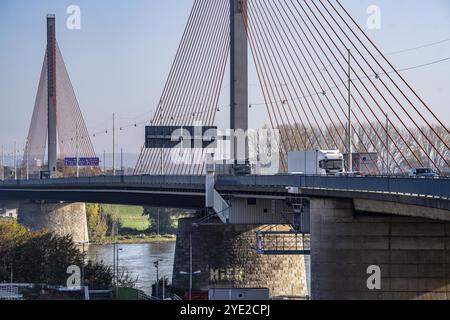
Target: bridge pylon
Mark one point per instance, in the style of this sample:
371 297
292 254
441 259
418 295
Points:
238 82
57 130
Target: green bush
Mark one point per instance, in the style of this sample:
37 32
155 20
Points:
43 258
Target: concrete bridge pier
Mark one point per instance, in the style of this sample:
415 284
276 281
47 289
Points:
226 256
61 218
412 254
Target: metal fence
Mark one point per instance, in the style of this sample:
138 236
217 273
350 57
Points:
437 188
9 292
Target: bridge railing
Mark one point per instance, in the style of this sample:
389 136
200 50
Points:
439 188
410 186
109 180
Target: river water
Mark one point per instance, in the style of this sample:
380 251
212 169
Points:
139 260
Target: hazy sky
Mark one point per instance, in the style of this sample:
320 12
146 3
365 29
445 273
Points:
119 60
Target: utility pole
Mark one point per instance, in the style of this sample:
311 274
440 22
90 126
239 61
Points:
156 264
238 81
52 101
190 267
15 160
162 161
114 145
26 159
3 165
349 130
114 266
388 169
104 162
121 161
117 271
78 156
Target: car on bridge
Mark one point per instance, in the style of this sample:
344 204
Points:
423 173
349 174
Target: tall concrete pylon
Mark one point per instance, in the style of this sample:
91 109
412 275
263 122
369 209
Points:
51 78
238 75
57 124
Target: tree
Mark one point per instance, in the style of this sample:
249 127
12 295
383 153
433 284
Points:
160 219
97 222
164 220
43 258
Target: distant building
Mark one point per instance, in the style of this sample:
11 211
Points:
8 213
366 163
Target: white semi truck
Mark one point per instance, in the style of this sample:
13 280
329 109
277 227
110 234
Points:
316 162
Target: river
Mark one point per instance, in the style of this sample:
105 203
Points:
139 260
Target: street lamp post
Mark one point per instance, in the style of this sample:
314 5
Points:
190 266
121 161
78 159
349 130
388 169
191 273
2 166
26 155
116 271
15 160
114 144
156 264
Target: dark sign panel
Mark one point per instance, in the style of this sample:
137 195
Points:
189 137
82 162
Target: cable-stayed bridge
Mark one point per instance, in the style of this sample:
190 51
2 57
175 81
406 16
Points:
326 85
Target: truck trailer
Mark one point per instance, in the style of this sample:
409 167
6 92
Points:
316 162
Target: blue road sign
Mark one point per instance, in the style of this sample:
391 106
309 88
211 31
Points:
82 162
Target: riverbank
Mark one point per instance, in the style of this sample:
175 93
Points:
131 239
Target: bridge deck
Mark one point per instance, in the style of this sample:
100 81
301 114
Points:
188 191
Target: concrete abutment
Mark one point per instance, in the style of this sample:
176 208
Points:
226 256
413 254
60 218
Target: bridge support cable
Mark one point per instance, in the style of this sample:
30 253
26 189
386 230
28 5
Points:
299 49
263 82
376 101
355 99
72 135
290 42
72 130
390 90
37 134
178 71
209 91
298 59
291 72
274 96
398 74
183 72
285 59
368 78
280 60
339 103
193 87
143 157
334 84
